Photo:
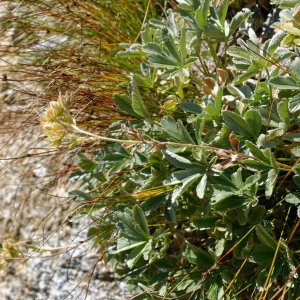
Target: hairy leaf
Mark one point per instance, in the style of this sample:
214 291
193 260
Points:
176 130
236 123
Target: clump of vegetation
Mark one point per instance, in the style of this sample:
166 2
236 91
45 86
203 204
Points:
194 190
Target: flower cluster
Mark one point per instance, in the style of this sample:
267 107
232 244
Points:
57 120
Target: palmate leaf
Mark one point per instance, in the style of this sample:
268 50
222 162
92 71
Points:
162 61
236 123
130 227
152 48
221 192
178 176
169 42
250 126
176 130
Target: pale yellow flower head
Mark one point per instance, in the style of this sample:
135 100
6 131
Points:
57 120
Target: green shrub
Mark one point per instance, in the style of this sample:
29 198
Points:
195 193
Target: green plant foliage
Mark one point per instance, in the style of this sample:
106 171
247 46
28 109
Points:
196 195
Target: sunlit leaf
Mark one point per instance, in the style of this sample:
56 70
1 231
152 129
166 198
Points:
238 19
270 183
201 187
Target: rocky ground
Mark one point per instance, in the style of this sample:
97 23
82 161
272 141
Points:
34 205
